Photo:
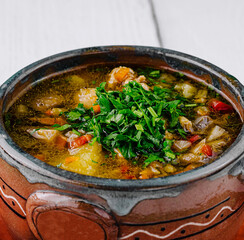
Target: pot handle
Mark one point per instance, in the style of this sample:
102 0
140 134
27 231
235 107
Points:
56 216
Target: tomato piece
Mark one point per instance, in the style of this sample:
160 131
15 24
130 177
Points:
80 141
219 106
207 150
194 138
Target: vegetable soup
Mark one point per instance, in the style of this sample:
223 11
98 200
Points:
123 123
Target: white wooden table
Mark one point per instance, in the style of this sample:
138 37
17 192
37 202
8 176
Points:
33 29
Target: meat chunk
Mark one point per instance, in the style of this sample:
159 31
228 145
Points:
86 96
42 104
123 75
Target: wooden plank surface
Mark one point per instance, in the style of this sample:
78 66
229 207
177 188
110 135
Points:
31 30
210 29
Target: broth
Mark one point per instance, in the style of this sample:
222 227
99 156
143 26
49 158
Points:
115 122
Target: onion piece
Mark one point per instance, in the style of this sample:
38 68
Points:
181 145
186 124
203 122
217 145
187 158
215 133
197 149
71 136
21 110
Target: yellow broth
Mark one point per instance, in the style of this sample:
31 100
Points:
208 121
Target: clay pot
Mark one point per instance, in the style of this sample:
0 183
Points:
44 202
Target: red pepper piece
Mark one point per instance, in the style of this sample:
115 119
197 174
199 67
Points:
194 138
207 150
219 106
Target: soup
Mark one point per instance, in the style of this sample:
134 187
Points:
123 123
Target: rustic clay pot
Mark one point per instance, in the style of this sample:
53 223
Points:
44 202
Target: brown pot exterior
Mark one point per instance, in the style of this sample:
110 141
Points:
206 209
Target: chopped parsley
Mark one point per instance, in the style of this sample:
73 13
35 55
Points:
133 121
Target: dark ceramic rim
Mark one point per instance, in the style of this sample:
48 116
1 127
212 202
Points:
230 156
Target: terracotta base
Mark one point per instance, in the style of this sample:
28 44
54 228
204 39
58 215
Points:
241 233
4 234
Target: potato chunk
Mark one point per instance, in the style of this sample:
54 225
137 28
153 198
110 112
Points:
187 89
44 134
87 159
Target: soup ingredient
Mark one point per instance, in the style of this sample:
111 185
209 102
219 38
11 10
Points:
207 150
85 160
123 123
87 97
44 103
123 75
44 134
187 89
217 105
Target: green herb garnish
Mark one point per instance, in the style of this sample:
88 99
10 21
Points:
133 121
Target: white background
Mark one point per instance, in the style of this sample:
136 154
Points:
33 29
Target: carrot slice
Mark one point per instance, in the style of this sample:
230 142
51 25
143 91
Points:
49 121
121 74
61 142
71 159
96 109
80 141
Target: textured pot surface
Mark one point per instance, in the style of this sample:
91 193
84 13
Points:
39 201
